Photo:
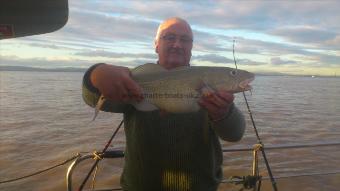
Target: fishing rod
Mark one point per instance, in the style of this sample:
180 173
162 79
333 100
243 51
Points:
98 157
260 143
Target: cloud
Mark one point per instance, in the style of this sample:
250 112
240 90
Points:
250 62
335 42
286 33
279 61
42 62
304 55
306 34
251 15
98 27
214 58
107 54
265 48
62 63
217 59
330 60
50 46
135 19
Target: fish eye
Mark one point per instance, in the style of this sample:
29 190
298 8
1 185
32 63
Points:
233 72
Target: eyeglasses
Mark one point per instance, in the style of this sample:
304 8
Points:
171 38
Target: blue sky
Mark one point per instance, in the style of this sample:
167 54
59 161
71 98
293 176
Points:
293 37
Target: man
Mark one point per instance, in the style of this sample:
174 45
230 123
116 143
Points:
167 151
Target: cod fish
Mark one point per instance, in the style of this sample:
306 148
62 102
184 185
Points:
178 90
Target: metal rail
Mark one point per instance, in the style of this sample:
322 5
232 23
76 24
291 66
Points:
273 147
107 154
237 180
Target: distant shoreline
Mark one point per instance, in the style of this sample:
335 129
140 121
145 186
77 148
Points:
34 69
83 70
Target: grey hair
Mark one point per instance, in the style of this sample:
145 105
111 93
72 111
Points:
161 26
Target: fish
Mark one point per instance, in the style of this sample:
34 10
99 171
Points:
178 90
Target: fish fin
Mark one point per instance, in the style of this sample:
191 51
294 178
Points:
144 106
147 69
99 106
205 89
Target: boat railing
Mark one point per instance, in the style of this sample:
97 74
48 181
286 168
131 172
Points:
108 154
249 181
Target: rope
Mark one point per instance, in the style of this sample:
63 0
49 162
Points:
94 178
98 159
41 171
97 156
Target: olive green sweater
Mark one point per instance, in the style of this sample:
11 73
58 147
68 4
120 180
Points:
171 152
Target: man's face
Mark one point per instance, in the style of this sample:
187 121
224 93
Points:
174 45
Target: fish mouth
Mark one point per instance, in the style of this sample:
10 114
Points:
245 84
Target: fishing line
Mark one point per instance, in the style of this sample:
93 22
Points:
256 132
234 53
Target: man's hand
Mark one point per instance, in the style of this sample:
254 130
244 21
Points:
115 83
217 103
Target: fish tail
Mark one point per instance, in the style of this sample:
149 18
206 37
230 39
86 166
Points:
99 106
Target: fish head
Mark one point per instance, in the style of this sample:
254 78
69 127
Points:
235 80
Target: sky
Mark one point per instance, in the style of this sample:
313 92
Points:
291 37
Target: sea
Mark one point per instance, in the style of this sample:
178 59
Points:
44 121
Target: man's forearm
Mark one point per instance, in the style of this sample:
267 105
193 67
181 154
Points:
232 127
91 94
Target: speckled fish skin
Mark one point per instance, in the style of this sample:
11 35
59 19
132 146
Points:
179 89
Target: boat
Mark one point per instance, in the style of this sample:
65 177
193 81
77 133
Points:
57 15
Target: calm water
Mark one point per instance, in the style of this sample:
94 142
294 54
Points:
44 121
